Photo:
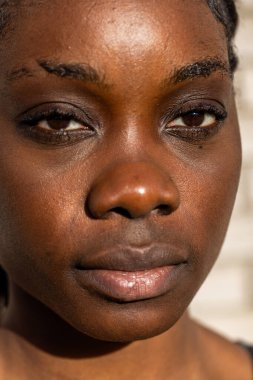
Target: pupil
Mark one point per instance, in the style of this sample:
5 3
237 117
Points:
58 124
193 119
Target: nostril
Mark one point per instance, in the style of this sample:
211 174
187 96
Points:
159 210
121 211
162 210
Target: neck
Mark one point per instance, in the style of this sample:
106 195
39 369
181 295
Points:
43 340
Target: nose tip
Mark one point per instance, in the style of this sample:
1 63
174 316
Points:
133 190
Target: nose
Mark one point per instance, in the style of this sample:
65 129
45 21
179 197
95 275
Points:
132 190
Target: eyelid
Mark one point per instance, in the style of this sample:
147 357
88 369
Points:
47 110
35 120
28 121
179 111
194 135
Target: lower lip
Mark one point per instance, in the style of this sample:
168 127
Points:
128 286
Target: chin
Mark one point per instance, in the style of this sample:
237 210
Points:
128 322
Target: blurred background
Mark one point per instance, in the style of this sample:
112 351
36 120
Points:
225 301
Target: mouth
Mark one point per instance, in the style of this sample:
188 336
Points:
125 286
130 275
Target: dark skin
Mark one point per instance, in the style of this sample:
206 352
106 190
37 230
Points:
101 159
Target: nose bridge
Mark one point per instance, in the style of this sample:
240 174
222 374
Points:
132 189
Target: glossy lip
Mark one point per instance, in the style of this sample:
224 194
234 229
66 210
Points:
125 286
131 274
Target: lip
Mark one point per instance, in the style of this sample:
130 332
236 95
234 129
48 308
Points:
132 286
127 274
129 259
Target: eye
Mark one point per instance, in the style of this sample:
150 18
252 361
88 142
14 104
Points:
198 124
197 119
60 123
57 125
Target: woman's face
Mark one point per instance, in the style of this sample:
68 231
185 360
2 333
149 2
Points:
119 159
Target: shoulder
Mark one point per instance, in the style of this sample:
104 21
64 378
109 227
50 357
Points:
227 360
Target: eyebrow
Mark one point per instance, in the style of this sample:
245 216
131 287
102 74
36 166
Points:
79 71
85 72
203 68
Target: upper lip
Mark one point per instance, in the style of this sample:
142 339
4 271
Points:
133 258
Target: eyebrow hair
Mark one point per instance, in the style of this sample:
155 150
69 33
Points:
203 68
79 71
19 73
82 71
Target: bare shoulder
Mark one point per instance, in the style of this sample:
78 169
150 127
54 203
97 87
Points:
226 359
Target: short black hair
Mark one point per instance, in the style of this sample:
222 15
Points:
224 11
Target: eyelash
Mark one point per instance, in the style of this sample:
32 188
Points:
195 134
28 125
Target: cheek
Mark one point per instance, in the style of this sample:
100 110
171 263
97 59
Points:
207 199
37 212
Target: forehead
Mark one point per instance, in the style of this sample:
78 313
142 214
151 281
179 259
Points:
143 35
128 23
